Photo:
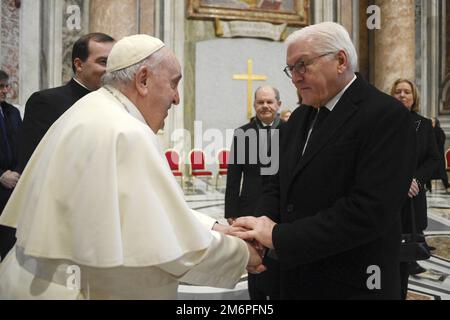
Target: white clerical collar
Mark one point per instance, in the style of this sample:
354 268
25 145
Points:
126 103
333 102
76 80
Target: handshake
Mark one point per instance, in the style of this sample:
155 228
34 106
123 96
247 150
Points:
257 233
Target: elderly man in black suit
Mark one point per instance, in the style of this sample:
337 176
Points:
245 168
43 108
333 209
10 122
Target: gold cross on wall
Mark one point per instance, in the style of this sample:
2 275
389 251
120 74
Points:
249 77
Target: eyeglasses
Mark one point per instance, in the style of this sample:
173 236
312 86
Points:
300 66
4 86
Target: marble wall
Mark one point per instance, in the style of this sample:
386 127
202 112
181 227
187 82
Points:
445 77
10 44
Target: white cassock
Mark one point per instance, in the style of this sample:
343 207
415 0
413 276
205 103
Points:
98 196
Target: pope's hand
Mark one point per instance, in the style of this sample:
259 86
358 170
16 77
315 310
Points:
228 230
259 229
231 221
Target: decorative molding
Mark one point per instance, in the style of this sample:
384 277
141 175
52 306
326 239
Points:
250 29
262 11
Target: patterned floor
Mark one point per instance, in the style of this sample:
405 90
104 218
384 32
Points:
431 285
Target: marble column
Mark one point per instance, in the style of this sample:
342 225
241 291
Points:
363 46
324 10
345 15
116 18
30 70
147 17
395 43
122 18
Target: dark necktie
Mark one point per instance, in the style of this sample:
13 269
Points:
4 140
318 119
322 115
269 138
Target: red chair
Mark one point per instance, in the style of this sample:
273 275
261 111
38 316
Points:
198 165
222 160
173 158
447 160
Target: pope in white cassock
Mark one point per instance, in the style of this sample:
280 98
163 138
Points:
98 212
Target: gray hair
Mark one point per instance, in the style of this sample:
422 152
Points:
327 37
126 75
275 90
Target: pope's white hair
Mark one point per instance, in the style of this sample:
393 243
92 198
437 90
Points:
327 37
126 75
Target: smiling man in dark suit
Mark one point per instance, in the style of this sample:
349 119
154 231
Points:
43 108
333 209
245 170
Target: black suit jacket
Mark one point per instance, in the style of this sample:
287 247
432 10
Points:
12 122
243 201
440 137
42 109
338 206
427 163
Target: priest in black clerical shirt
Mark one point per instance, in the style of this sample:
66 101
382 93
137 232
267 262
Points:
43 108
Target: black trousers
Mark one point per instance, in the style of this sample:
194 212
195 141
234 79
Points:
404 276
265 286
7 240
7 234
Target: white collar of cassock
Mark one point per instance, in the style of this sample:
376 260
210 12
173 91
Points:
78 81
126 103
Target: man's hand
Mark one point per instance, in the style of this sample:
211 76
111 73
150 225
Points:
259 229
413 189
9 179
255 265
255 249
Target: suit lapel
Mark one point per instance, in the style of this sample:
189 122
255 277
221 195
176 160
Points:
295 149
342 112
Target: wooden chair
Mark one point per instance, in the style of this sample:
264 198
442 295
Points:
447 162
